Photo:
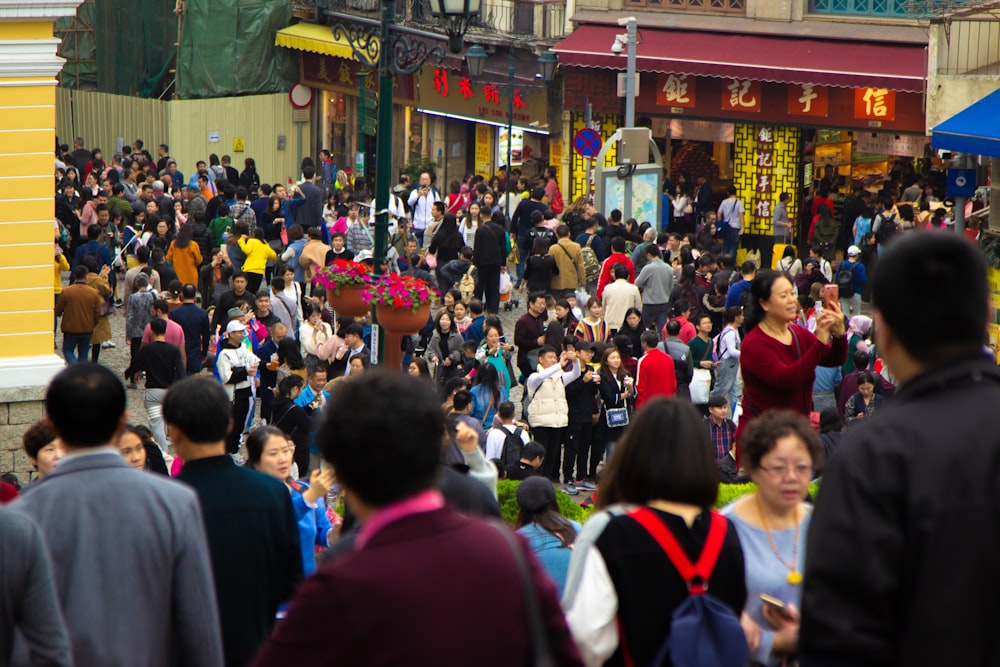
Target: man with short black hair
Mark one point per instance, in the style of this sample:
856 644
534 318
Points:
252 535
680 353
195 325
163 365
901 546
175 332
617 256
736 292
421 201
151 538
529 331
532 457
80 307
309 213
655 281
655 374
227 300
405 528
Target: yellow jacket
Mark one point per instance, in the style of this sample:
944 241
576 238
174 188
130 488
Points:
61 265
258 253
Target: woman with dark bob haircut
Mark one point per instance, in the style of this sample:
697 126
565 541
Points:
627 589
780 452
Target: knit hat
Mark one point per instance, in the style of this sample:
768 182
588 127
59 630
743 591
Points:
535 493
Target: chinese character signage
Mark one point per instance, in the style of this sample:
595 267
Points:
456 94
483 161
807 99
675 90
741 95
765 169
874 104
343 76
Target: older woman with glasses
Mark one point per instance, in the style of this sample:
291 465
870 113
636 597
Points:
269 451
780 450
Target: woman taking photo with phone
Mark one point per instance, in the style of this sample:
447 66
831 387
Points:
780 451
779 358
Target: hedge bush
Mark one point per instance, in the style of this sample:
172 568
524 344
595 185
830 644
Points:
569 506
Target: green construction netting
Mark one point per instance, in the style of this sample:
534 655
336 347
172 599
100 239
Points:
227 48
135 46
79 48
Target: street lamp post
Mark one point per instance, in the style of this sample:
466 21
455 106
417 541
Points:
391 50
476 60
628 41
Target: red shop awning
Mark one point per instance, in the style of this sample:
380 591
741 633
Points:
845 64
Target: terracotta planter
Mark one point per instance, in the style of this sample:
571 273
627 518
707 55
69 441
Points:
349 302
402 321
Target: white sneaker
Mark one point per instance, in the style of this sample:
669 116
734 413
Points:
107 345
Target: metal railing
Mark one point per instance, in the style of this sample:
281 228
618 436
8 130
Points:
874 8
969 47
732 7
513 18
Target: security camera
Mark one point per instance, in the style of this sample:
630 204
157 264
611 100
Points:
617 47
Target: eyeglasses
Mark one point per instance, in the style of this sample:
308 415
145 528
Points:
781 471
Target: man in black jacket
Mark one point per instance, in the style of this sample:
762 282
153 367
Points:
521 224
252 535
901 565
489 255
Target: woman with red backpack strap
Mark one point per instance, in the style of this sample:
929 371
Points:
665 571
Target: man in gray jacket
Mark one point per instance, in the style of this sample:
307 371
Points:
655 282
28 600
129 554
681 354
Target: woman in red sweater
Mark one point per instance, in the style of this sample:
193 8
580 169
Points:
779 358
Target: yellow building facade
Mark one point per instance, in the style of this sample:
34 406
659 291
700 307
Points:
28 69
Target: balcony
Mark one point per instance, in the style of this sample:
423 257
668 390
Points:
727 7
508 18
969 48
895 9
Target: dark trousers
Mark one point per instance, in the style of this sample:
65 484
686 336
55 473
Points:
253 282
301 458
134 345
597 447
578 439
76 347
489 287
241 408
655 313
551 439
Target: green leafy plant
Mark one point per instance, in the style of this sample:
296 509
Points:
570 508
417 166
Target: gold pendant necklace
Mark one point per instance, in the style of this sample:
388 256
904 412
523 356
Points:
794 576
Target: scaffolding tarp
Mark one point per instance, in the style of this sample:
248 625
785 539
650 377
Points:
135 49
227 48
78 47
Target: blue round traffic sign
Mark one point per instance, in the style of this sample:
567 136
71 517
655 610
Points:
587 142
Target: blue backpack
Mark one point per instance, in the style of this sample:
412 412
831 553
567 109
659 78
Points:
704 632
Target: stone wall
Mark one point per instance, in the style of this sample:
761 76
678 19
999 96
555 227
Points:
19 409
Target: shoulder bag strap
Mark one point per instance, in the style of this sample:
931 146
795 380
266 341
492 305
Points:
571 260
646 518
541 653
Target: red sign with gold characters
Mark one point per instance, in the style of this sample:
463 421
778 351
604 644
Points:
874 104
741 95
676 90
808 99
451 92
343 76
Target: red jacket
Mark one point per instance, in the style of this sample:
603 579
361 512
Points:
614 258
655 377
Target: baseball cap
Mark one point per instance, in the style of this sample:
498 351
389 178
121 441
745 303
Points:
363 255
853 251
235 326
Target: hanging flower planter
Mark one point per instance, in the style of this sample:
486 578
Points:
346 284
402 303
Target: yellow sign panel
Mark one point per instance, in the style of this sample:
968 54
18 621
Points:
238 145
555 153
483 158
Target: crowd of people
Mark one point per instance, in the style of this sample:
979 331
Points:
282 518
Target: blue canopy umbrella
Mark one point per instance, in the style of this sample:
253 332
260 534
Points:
974 130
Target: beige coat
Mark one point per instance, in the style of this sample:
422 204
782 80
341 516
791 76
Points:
102 332
313 257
